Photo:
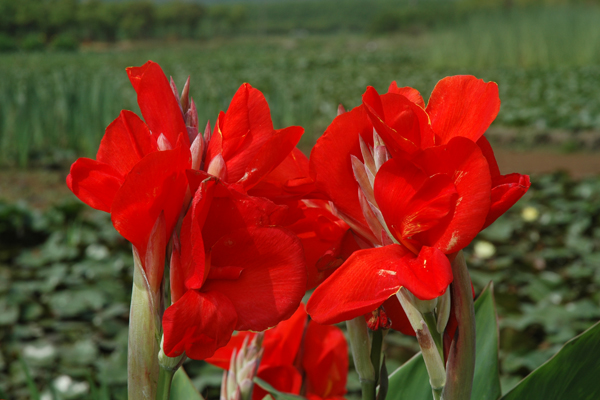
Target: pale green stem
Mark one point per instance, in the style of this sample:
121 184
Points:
144 328
431 354
361 352
431 322
165 377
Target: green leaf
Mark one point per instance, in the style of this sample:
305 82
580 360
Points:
276 393
571 374
182 388
411 381
486 384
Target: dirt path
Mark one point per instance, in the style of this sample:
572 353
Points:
576 164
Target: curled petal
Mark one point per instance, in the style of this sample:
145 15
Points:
126 140
273 277
157 183
410 201
462 105
241 131
408 92
369 277
160 108
290 180
198 323
330 163
397 316
325 361
271 154
506 191
462 161
94 183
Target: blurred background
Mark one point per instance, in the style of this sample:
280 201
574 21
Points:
65 274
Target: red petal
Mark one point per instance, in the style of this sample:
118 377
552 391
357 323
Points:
244 129
159 106
371 276
408 119
94 183
407 141
273 279
488 153
463 162
193 270
135 74
282 343
397 316
462 105
222 356
330 163
157 183
506 191
198 323
126 141
410 201
284 378
290 180
323 237
408 92
232 210
271 154
325 360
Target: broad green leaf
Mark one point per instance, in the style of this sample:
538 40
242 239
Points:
486 383
571 374
276 393
411 382
182 388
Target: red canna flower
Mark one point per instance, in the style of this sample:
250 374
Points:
232 269
295 349
415 184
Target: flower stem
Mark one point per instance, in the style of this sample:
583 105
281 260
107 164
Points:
377 342
437 337
165 377
358 334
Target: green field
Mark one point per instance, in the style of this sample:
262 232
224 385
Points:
55 106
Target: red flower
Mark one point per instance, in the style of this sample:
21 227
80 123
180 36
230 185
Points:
130 177
415 184
293 349
232 270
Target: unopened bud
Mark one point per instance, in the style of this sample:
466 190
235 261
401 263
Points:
163 143
175 91
207 132
360 174
197 150
217 167
340 110
185 96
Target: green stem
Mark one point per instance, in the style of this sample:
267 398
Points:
358 333
437 337
368 390
437 393
165 377
376 344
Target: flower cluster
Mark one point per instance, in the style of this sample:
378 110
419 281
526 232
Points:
246 223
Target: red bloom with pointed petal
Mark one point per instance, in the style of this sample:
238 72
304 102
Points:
228 245
245 138
294 349
408 179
